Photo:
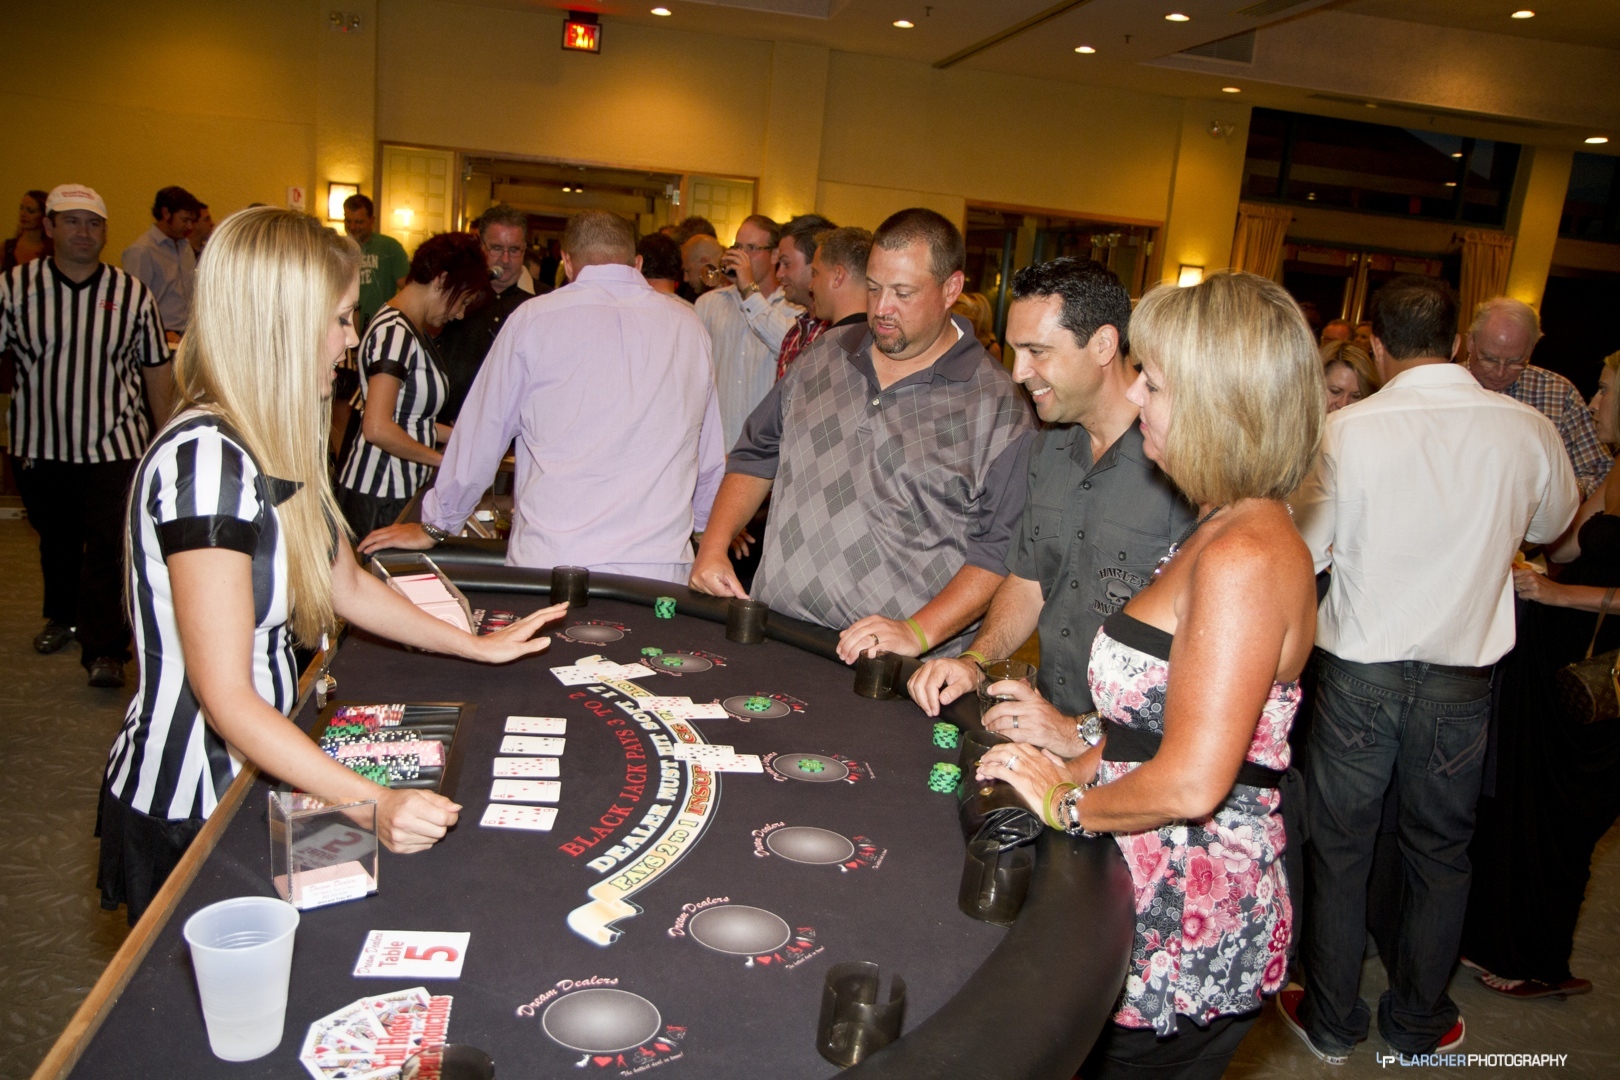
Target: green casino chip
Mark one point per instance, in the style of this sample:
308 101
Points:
664 607
810 765
652 650
758 704
947 736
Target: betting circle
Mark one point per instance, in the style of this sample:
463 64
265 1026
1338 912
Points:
739 930
601 1020
816 768
806 844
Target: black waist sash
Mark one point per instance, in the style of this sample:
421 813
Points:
1135 745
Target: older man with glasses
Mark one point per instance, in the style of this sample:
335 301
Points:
464 343
1500 340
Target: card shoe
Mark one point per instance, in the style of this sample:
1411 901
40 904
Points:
53 637
107 673
1288 1005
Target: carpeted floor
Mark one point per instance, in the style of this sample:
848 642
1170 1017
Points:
54 735
55 939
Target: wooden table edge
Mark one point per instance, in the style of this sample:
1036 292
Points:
71 1044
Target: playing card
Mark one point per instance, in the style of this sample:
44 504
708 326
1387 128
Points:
538 768
526 791
536 725
701 711
696 751
656 702
534 818
634 671
532 744
740 763
580 674
386 1008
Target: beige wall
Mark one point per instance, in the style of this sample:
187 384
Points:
1204 188
216 97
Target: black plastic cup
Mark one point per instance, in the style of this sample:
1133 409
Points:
995 881
745 621
854 1024
878 676
974 744
457 1061
570 583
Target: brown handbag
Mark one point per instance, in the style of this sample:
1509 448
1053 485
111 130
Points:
1590 688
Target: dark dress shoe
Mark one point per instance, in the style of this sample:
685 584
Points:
107 673
53 637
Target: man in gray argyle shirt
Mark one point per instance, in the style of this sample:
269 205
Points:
897 452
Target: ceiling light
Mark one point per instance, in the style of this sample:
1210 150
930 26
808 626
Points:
1176 16
662 11
567 188
1451 183
1597 140
1231 89
904 24
1524 13
1086 49
1458 154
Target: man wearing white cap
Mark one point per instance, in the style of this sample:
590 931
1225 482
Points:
88 342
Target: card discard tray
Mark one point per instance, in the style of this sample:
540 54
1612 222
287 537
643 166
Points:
431 721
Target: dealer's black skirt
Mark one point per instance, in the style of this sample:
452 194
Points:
138 852
367 512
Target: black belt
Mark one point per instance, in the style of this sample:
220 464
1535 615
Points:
1134 744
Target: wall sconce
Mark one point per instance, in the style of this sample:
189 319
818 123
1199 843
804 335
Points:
335 195
1189 275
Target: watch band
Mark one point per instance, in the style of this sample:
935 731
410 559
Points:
1088 727
436 534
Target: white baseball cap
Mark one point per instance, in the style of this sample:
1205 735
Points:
75 197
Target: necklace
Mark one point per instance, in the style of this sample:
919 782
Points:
1175 547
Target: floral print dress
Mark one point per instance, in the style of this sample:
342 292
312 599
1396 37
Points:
1213 916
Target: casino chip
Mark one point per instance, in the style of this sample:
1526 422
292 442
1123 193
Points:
652 650
947 736
758 704
943 777
664 607
810 765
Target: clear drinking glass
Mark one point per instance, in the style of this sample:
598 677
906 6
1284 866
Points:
997 671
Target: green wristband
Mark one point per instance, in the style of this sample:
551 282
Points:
922 638
1046 804
978 657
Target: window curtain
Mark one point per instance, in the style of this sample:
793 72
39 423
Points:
1258 245
1485 257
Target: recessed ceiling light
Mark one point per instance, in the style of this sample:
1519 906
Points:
1087 49
1524 13
1231 89
1176 16
904 24
1458 154
662 11
1597 140
1451 183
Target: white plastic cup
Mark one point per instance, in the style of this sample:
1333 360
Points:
242 951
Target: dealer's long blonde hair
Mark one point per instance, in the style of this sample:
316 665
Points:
253 354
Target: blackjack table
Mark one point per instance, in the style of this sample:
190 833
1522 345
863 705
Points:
673 920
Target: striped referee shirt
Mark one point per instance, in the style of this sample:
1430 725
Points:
197 487
394 347
80 347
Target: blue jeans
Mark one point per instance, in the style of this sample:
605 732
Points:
1425 730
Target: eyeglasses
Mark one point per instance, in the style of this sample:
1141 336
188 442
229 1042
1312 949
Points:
753 249
1500 363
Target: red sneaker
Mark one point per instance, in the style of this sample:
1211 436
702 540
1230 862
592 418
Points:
1453 1038
1288 1005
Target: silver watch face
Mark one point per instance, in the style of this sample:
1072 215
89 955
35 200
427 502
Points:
1091 729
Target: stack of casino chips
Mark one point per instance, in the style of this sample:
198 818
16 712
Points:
758 703
947 736
943 777
664 607
379 752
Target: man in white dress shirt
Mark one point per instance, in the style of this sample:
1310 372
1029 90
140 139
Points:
747 322
1424 493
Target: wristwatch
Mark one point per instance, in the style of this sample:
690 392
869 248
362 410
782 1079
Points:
1089 728
436 534
745 291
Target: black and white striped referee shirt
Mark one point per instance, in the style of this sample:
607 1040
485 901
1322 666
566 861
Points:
394 347
197 487
80 347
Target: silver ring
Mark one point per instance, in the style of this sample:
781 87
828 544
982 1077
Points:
1015 723
1012 763
875 640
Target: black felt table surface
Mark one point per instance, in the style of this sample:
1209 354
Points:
722 1015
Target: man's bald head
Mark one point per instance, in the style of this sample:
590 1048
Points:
598 238
697 252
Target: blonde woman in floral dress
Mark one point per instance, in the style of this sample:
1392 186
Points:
1197 681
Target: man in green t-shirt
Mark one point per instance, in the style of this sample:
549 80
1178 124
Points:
383 264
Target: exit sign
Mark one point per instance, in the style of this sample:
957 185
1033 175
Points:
582 33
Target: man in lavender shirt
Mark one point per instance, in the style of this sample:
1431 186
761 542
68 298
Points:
608 389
